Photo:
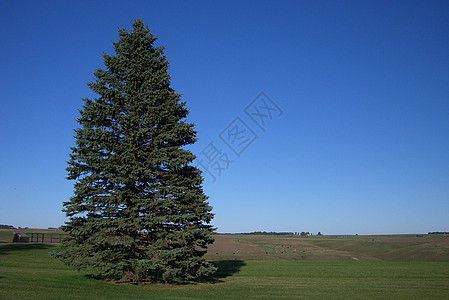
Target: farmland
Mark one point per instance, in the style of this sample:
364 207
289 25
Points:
263 267
432 248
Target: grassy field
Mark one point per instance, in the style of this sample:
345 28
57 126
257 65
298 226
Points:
254 267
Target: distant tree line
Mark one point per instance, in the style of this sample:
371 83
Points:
6 226
303 233
439 232
267 233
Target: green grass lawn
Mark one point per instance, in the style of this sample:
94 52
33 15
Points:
28 272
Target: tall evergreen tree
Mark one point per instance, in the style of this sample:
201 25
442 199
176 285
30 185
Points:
138 211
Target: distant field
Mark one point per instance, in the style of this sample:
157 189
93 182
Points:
432 248
411 247
262 267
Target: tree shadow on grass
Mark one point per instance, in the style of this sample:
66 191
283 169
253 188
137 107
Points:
5 248
225 268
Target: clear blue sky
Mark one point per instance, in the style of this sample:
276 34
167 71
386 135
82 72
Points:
361 146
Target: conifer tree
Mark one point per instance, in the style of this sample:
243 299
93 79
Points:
138 211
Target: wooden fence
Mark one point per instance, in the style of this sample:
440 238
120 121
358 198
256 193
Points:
45 237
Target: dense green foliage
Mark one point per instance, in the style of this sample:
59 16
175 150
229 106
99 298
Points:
138 210
27 272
